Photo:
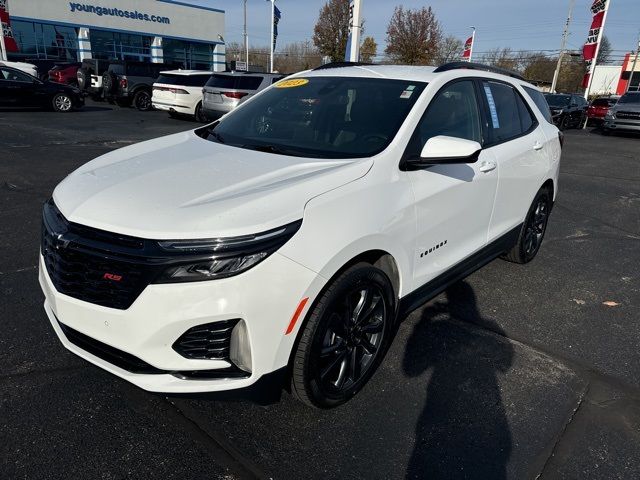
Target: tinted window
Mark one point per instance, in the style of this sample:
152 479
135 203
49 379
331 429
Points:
249 83
138 70
14 76
234 82
602 102
453 112
541 103
630 98
504 115
324 117
558 101
185 80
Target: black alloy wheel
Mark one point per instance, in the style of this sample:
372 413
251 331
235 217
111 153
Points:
533 229
345 337
565 123
142 100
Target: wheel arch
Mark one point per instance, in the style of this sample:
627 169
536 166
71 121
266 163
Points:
548 184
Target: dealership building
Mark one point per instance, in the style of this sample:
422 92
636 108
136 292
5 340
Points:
142 30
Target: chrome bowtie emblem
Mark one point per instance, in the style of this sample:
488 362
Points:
61 241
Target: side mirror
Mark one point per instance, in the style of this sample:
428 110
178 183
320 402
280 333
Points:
443 150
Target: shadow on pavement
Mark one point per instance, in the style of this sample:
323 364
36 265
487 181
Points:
463 431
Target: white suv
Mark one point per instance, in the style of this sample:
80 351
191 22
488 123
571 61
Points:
179 92
290 236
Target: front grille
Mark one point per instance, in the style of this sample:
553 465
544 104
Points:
92 265
210 341
628 115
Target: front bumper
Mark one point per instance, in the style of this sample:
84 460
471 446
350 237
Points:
264 297
620 124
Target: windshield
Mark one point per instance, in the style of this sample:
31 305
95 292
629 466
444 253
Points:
324 117
558 100
630 98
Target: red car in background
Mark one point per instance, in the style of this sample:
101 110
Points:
598 109
65 73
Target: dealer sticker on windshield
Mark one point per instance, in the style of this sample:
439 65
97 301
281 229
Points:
292 83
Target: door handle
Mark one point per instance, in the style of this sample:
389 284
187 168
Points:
538 146
486 167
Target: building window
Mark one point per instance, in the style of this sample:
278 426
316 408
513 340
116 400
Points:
121 46
191 55
38 40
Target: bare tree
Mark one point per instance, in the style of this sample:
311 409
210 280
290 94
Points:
368 49
502 58
604 54
413 36
332 29
449 50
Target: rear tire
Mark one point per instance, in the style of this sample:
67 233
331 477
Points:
345 337
533 229
199 114
142 101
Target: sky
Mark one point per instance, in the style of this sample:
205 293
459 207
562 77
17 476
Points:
518 24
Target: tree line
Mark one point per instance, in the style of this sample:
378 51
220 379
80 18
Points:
413 37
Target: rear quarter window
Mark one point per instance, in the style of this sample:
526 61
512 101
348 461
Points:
540 102
249 83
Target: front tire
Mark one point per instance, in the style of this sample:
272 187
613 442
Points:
62 103
533 229
199 114
345 337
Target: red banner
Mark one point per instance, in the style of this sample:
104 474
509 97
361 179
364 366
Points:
468 46
591 45
9 42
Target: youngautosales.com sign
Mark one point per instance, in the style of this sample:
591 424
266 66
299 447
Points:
116 12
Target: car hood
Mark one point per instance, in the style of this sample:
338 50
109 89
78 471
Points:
182 186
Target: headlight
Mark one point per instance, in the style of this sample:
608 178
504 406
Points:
208 259
556 112
611 115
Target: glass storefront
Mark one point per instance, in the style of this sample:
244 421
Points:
122 46
38 40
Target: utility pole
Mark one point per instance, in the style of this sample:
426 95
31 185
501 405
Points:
633 69
565 34
273 12
352 53
246 37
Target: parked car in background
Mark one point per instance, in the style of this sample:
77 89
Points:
624 115
598 108
567 109
22 66
19 89
130 83
65 73
224 91
43 65
179 92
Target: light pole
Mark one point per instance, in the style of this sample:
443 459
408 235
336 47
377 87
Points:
246 36
273 12
633 68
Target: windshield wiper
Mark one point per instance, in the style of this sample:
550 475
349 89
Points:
217 136
272 149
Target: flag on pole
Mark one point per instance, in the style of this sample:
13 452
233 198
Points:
590 49
9 41
276 19
468 46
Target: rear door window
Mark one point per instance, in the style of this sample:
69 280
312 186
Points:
249 83
234 82
509 117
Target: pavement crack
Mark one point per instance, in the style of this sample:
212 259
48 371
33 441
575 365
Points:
581 399
228 456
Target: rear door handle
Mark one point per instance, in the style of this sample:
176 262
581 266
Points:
486 167
538 146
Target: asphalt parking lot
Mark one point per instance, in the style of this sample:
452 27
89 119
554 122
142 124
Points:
518 372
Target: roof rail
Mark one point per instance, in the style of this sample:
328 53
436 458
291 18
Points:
341 65
477 66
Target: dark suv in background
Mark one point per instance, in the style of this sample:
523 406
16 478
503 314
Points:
131 83
89 77
567 109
